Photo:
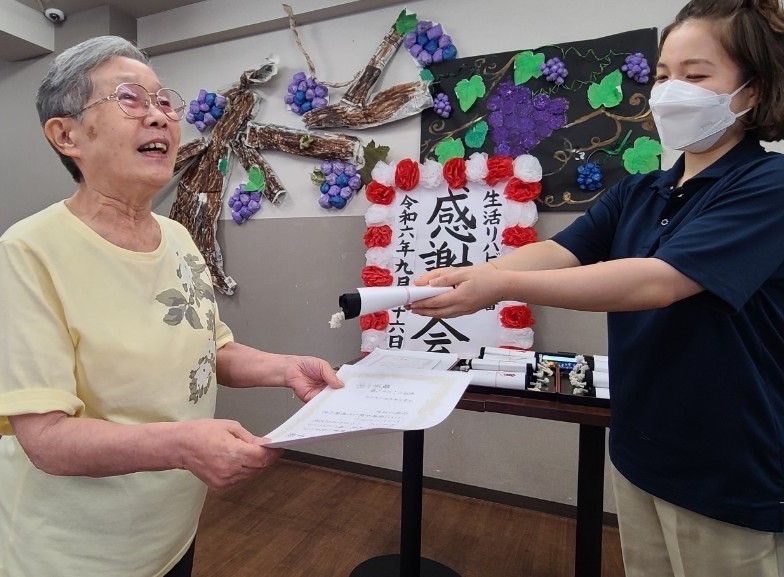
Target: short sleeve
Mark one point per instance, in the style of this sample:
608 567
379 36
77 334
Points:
223 334
36 348
590 237
736 243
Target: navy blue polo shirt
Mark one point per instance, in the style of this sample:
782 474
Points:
698 387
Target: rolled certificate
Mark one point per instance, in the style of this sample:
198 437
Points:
598 379
369 300
597 363
500 379
508 354
515 365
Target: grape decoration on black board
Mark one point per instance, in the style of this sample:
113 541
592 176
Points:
580 107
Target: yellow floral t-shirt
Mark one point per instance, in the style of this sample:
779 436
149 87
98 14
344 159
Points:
101 332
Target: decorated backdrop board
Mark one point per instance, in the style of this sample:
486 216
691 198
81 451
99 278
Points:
461 213
580 107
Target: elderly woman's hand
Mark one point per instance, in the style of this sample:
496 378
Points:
307 376
221 452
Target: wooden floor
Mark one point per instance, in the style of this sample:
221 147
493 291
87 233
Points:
298 520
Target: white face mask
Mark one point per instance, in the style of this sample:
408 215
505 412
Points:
689 117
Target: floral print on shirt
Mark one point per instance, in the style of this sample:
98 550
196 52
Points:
185 305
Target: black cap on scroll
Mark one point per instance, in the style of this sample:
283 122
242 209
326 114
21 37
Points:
350 304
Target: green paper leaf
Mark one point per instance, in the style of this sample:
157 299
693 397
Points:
643 157
256 179
426 75
373 154
608 92
475 138
405 23
223 166
468 91
305 141
317 177
449 148
527 65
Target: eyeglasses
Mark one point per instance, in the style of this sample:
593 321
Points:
134 100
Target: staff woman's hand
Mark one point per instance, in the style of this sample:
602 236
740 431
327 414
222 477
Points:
476 287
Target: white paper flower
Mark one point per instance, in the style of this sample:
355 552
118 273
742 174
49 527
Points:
372 339
380 256
378 214
384 173
431 174
527 168
522 338
476 167
521 213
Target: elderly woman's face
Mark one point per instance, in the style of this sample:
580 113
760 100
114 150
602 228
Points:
117 151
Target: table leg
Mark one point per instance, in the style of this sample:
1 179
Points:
590 502
409 562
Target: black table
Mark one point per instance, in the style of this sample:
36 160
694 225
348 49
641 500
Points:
409 563
590 487
590 464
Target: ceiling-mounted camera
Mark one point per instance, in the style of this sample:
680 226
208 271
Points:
54 15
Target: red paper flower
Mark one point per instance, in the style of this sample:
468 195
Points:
518 236
380 194
516 317
407 174
376 276
377 321
499 168
376 236
455 173
521 191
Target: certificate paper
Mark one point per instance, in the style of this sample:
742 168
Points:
380 396
399 359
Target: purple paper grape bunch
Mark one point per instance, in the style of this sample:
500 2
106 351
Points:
305 93
636 67
341 182
442 106
206 110
554 70
428 44
519 120
590 177
244 204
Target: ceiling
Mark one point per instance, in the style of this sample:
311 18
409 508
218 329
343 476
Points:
135 8
23 36
26 34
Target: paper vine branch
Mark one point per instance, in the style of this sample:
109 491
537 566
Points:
201 186
355 111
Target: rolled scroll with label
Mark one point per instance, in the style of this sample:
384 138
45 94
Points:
368 300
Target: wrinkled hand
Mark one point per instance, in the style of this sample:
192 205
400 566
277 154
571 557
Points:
221 452
476 287
307 376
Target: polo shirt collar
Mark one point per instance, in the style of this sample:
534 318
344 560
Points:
743 152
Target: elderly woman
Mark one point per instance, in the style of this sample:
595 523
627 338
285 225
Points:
112 344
